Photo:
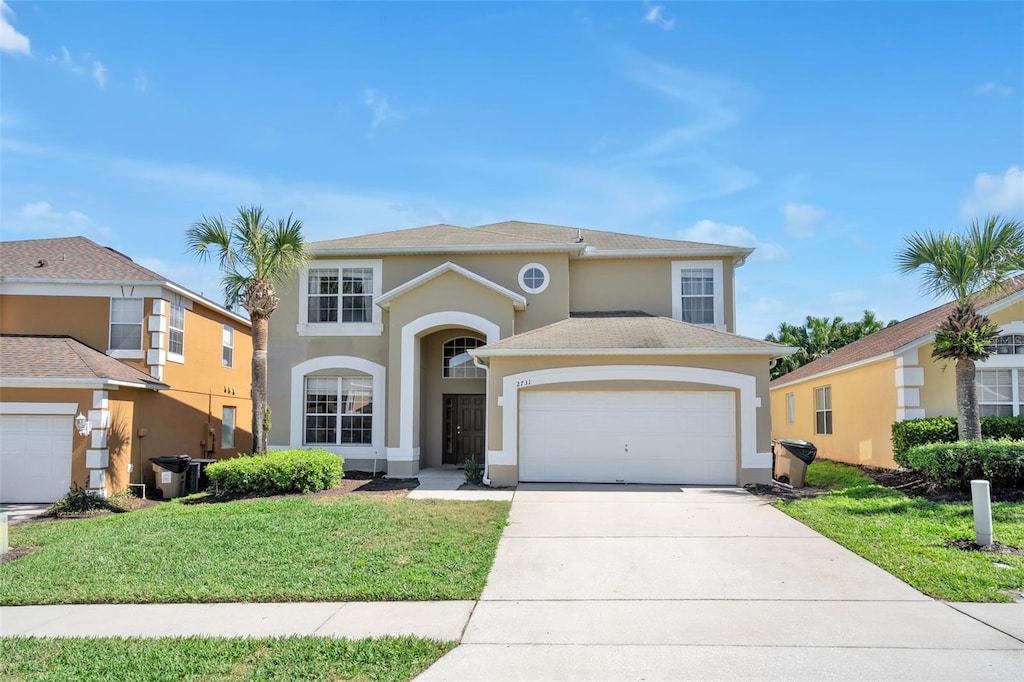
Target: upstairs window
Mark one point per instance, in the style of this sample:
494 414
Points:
698 293
337 299
176 334
227 353
126 323
458 363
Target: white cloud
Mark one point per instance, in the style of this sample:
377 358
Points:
87 67
802 220
39 218
10 39
996 194
380 108
141 82
993 88
847 297
656 15
710 232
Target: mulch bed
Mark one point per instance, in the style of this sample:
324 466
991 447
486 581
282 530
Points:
913 485
780 492
355 482
16 553
995 548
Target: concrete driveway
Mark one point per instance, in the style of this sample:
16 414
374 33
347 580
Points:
669 583
19 511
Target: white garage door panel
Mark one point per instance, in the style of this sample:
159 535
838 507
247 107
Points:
35 457
628 436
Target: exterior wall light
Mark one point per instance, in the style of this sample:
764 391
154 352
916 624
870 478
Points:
82 425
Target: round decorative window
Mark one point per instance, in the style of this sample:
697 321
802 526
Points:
533 278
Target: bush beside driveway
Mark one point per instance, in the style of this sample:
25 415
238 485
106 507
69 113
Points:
297 548
910 537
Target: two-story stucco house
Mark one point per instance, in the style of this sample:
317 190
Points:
547 353
156 369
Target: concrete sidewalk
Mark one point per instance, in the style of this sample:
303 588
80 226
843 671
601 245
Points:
670 583
442 620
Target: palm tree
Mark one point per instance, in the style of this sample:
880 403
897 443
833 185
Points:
818 337
966 268
255 253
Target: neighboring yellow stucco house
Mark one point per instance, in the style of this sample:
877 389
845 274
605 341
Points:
845 403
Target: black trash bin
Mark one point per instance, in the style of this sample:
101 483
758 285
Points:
170 474
195 477
792 457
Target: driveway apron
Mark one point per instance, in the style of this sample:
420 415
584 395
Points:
598 582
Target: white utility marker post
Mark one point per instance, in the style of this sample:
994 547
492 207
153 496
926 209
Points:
982 503
3 534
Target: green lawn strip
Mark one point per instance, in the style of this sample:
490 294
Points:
196 658
286 549
906 536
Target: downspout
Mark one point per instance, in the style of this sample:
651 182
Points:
487 423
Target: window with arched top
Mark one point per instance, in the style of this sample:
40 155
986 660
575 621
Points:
1008 344
458 363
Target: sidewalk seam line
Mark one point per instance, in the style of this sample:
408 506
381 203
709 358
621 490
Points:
969 615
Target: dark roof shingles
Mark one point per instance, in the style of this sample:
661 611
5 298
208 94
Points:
62 357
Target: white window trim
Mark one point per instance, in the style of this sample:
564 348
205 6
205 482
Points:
228 443
529 289
225 328
176 357
790 408
127 354
373 328
1016 374
376 449
831 415
677 288
339 382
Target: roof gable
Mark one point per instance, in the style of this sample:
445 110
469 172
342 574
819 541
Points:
384 301
885 342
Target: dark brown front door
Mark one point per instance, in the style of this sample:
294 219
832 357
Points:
464 428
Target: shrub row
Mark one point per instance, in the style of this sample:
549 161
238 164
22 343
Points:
954 465
277 473
907 434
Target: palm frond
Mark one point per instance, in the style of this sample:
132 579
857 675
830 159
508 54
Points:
209 237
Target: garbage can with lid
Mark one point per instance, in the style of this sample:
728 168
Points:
170 474
791 460
195 478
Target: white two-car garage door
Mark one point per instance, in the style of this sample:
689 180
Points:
628 436
35 457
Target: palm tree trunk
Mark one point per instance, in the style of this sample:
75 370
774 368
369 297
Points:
968 423
260 325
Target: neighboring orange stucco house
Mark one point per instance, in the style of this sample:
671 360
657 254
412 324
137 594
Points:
157 370
845 403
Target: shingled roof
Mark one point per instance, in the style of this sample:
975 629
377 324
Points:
516 236
28 357
629 334
887 340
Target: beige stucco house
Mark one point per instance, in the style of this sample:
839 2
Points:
547 353
846 402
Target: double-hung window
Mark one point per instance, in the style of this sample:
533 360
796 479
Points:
339 411
823 410
339 299
126 324
227 351
176 334
698 293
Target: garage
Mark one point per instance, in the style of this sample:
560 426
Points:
628 437
35 457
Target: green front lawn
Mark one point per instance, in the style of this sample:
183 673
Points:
907 535
297 548
195 658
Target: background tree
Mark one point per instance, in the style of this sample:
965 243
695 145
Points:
965 267
818 337
255 254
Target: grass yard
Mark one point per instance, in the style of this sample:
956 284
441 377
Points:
297 548
293 658
907 535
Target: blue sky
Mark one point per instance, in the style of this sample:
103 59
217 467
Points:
820 133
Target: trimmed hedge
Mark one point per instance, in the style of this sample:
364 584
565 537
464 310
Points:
954 465
277 473
907 434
